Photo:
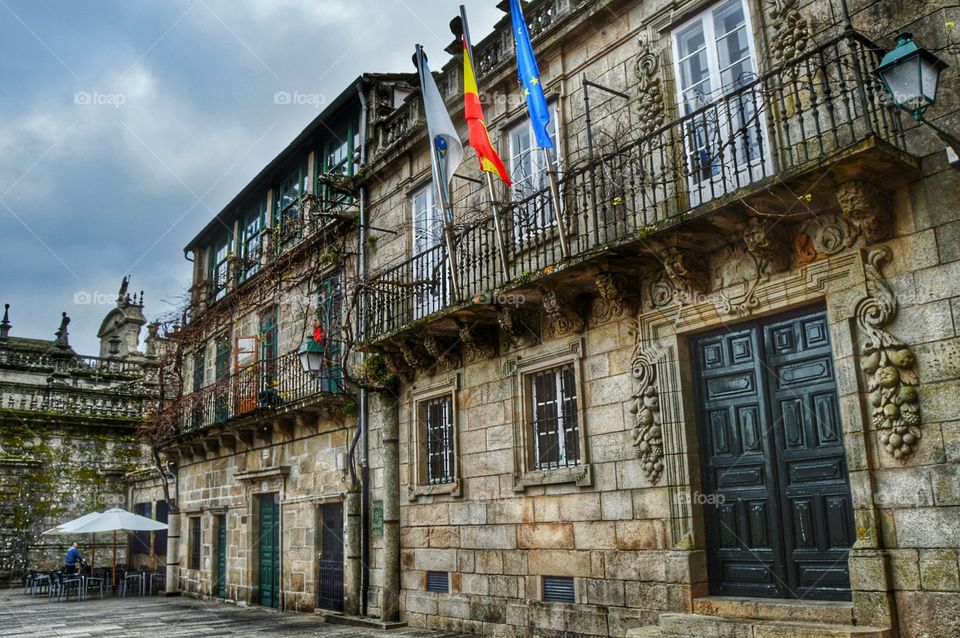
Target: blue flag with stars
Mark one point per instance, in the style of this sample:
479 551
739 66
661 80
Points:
529 74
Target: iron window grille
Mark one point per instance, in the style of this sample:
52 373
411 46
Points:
195 542
438 582
437 417
553 397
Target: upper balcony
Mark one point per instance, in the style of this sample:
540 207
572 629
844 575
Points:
275 391
779 145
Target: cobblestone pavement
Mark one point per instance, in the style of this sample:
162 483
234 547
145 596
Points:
159 617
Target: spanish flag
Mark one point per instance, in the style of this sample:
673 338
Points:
473 111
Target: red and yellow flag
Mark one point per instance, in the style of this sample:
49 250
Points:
479 135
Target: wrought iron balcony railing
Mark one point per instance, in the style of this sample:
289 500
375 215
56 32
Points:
782 123
264 386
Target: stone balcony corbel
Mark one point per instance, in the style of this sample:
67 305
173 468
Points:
562 317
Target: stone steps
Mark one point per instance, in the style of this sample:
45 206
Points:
788 610
701 626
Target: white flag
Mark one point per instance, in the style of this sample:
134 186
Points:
444 139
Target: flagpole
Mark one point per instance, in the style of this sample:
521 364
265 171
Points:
555 196
491 191
441 188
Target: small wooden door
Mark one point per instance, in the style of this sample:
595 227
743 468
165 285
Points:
269 550
330 557
222 556
779 520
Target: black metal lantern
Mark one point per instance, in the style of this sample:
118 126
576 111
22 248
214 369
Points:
911 75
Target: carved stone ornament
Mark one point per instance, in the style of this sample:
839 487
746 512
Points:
889 365
516 331
647 432
791 31
415 357
866 206
562 318
737 275
397 364
443 352
650 104
767 241
612 302
826 234
476 347
687 269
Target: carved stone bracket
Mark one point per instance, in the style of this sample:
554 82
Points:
866 207
767 241
443 352
889 365
516 330
685 277
647 431
826 234
562 318
476 344
613 301
650 103
415 357
791 31
396 363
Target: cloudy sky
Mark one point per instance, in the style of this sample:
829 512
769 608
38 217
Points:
126 124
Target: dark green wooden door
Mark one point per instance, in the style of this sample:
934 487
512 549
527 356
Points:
222 556
330 557
779 517
269 550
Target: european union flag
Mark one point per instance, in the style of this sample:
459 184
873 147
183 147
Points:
529 74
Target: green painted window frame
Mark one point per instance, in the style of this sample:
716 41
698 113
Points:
330 315
218 268
253 228
347 165
289 212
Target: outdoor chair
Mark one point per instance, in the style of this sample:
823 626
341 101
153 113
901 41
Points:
40 584
28 581
135 578
68 584
93 581
160 578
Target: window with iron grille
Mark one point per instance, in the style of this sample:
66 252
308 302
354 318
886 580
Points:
553 417
436 415
195 542
438 582
558 589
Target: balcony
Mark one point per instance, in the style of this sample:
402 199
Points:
262 392
60 402
782 141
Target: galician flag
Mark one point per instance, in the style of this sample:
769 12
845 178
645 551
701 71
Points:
444 139
473 112
529 74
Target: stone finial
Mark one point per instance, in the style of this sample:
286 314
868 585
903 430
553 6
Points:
62 340
153 338
122 295
5 324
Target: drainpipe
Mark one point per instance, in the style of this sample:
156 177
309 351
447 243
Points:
390 416
363 408
173 537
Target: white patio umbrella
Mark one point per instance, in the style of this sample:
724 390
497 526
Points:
70 527
117 519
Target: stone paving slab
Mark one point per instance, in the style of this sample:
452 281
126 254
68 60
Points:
160 617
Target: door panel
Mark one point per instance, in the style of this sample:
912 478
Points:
222 556
330 557
269 550
773 455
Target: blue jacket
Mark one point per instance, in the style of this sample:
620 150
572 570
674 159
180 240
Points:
73 556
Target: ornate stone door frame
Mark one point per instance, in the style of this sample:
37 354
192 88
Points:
859 304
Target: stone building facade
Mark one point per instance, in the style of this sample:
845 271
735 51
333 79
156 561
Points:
719 402
69 427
